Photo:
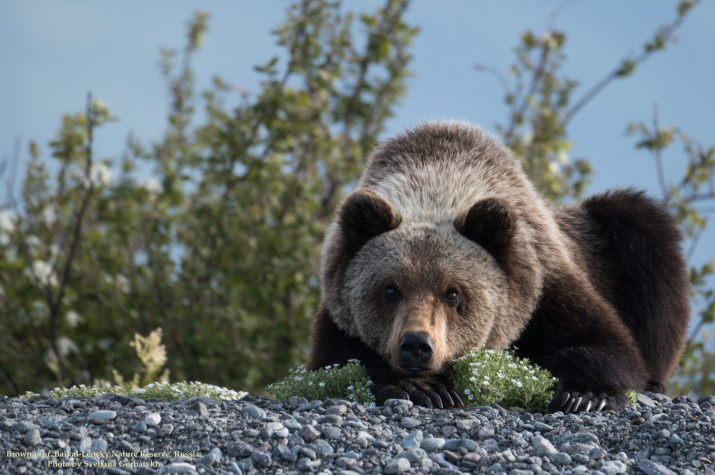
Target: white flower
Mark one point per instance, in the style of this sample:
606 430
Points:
122 284
65 345
329 366
511 365
519 383
322 384
310 383
73 318
467 391
42 271
100 174
486 378
472 379
152 185
471 397
7 221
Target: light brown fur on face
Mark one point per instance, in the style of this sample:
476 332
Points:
423 262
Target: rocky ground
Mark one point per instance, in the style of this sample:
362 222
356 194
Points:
120 435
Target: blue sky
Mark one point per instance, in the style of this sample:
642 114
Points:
52 53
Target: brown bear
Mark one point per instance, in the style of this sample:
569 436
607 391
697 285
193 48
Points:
445 246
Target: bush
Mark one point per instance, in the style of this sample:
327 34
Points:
348 382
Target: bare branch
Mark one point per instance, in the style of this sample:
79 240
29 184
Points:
665 34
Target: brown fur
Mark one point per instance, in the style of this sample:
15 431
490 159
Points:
597 294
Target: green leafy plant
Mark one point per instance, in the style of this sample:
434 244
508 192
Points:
349 382
487 376
162 390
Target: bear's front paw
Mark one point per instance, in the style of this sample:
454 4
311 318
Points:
428 392
573 401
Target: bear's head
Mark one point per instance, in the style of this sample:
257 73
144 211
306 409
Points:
421 294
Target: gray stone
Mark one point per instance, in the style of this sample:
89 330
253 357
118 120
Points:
612 467
99 445
542 447
166 430
644 400
467 424
140 427
322 447
239 449
486 432
308 452
305 464
676 442
199 407
653 468
397 402
24 426
398 465
85 444
152 419
253 411
178 467
433 444
410 422
581 438
413 440
330 419
309 406
561 458
212 458
331 432
102 416
308 433
413 455
541 427
260 459
292 424
31 438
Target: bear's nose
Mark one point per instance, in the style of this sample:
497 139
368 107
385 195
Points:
416 349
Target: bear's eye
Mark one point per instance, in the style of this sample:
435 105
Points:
391 292
452 296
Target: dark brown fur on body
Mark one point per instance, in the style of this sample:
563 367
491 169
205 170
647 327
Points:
445 246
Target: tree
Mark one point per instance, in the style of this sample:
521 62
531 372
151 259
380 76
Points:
213 231
220 247
540 109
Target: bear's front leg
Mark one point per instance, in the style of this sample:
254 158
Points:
580 339
432 392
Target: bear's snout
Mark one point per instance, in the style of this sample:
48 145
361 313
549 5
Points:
416 349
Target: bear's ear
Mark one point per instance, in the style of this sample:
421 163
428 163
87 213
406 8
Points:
491 223
364 215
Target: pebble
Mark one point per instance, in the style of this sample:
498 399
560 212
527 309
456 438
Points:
398 465
152 419
101 416
542 447
257 435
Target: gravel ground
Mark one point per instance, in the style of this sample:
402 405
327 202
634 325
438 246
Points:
118 435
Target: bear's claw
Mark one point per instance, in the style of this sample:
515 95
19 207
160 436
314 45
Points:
431 393
572 401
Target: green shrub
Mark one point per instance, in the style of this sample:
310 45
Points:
483 377
162 390
349 382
